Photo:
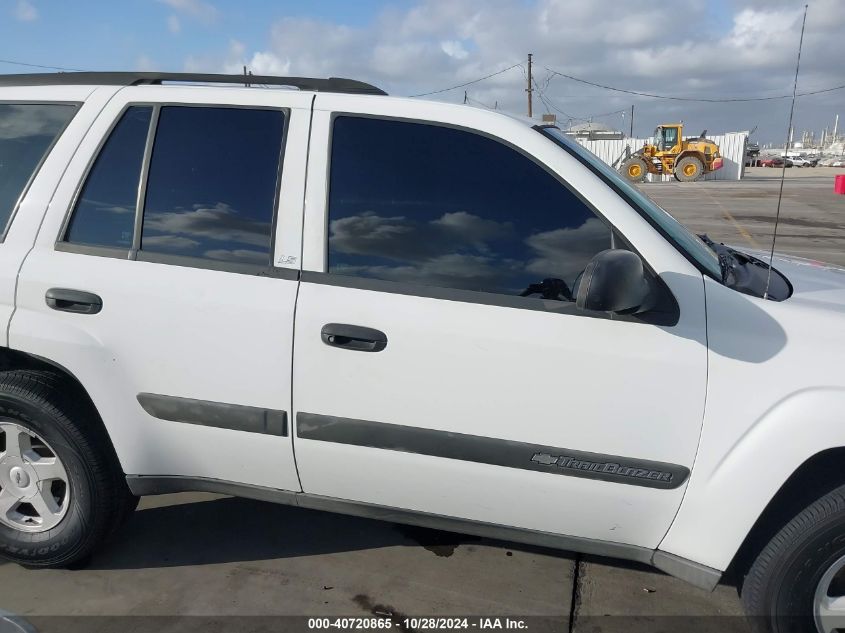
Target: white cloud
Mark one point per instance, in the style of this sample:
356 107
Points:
746 49
403 238
196 9
173 24
171 242
213 222
238 255
25 11
454 48
22 121
567 250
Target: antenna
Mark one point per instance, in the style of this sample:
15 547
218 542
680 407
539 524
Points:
786 149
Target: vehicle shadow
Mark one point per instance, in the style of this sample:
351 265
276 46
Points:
228 529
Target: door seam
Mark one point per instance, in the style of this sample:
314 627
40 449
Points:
296 296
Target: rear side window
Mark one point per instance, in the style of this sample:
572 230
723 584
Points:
434 205
27 132
212 184
105 210
209 193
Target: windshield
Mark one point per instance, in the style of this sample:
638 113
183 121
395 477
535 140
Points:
682 237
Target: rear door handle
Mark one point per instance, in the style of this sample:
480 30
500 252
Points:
353 337
76 301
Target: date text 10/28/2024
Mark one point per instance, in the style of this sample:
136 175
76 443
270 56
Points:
417 624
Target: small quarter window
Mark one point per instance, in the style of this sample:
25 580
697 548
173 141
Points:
105 212
27 132
212 183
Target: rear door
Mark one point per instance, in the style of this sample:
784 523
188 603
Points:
440 365
156 279
40 127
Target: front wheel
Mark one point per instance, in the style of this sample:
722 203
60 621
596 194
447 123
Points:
797 582
61 488
634 169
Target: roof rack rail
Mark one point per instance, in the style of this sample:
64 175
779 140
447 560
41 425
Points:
332 84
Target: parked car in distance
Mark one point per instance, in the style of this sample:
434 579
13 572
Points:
322 297
775 161
800 161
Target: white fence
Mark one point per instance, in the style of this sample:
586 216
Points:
731 145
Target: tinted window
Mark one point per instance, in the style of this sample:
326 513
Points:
27 131
105 212
212 183
435 205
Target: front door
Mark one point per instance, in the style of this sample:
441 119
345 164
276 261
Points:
440 364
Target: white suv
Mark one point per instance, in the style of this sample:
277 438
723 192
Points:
400 309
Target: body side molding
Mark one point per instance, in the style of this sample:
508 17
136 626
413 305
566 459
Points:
689 571
488 450
220 415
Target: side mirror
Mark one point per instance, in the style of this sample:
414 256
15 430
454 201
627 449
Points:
614 281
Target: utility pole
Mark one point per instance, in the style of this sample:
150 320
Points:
530 88
631 135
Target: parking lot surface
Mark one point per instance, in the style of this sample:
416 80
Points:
206 555
742 213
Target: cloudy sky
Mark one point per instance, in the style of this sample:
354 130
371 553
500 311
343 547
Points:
688 48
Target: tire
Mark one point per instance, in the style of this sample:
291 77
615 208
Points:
780 589
689 169
42 406
634 169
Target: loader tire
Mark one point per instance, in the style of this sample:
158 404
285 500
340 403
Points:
634 169
689 169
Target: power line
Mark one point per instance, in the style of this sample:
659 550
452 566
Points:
469 83
60 68
700 99
550 105
477 102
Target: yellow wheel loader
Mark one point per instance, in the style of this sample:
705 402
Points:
669 153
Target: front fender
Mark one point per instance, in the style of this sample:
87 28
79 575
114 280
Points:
728 492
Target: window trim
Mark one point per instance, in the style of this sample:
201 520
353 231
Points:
219 265
77 105
143 177
62 244
631 203
665 318
135 252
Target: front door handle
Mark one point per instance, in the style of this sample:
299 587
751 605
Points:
76 301
353 337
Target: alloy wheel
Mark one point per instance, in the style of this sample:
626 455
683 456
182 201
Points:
34 486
